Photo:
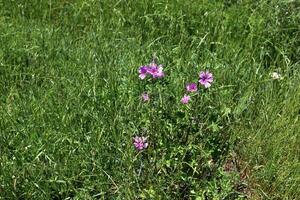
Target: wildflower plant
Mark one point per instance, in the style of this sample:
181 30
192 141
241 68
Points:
179 121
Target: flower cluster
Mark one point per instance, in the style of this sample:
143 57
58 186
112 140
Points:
154 70
205 79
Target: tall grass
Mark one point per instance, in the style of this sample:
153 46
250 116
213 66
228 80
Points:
70 99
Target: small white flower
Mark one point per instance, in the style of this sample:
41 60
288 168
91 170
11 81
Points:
276 76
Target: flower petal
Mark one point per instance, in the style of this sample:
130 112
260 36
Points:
207 85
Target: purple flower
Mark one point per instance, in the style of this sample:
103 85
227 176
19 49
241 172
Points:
206 78
140 143
185 99
191 87
145 97
151 69
143 70
156 71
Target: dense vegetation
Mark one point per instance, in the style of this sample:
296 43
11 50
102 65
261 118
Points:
70 99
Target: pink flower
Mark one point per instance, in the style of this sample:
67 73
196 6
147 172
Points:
156 71
185 99
140 143
143 70
191 87
151 69
145 97
206 78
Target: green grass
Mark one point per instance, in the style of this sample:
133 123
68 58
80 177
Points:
70 99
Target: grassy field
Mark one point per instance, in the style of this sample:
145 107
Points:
70 99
